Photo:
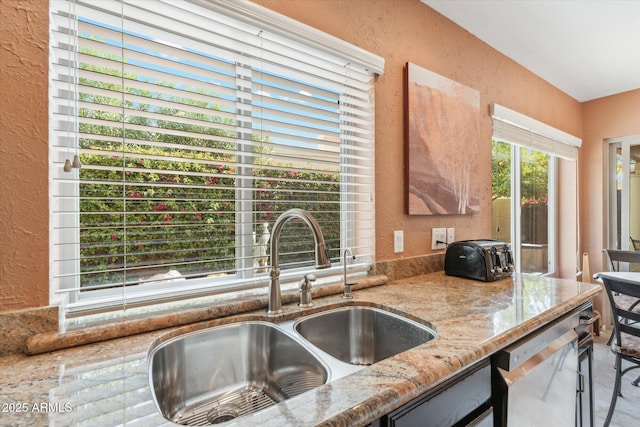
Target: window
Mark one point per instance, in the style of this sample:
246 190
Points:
524 177
196 124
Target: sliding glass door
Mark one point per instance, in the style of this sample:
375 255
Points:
624 193
523 205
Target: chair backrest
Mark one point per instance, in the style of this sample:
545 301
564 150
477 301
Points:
617 256
617 288
635 243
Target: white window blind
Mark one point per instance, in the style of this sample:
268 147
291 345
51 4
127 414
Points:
197 124
516 128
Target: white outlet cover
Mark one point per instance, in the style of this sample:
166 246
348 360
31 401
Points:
398 241
438 234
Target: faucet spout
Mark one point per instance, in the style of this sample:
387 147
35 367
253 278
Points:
322 258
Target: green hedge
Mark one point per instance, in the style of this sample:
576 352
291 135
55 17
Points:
187 219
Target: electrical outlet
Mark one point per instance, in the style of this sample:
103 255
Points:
398 241
438 235
451 235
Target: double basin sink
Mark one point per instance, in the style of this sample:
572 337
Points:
225 372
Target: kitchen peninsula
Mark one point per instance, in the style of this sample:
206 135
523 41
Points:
106 383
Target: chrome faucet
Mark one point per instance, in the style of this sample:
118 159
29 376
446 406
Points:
347 286
322 259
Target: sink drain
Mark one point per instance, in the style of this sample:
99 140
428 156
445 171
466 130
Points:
223 413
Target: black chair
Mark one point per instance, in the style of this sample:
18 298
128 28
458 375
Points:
616 257
626 343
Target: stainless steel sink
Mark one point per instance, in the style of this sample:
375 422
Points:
362 335
218 374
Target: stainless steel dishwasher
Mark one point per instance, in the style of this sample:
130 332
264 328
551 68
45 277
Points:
535 378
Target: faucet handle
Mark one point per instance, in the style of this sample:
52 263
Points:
305 283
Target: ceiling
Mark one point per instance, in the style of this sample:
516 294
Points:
587 48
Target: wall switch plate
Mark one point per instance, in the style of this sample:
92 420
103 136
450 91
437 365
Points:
451 235
438 235
398 241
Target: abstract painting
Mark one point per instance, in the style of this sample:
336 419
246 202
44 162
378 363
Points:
442 130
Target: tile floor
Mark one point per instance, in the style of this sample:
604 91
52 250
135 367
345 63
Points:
627 412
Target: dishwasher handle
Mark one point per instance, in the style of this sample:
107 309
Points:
516 354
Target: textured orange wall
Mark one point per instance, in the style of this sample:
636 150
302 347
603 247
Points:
408 30
24 234
399 30
609 117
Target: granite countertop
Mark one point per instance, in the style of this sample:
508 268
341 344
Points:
106 383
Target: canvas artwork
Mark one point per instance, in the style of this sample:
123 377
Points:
442 122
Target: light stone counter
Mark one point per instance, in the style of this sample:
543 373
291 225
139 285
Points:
106 383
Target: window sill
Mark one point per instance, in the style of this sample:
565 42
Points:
202 311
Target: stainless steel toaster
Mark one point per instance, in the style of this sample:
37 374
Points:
485 260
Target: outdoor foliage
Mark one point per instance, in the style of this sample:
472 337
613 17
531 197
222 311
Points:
193 227
534 174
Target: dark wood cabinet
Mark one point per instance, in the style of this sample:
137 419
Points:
464 400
